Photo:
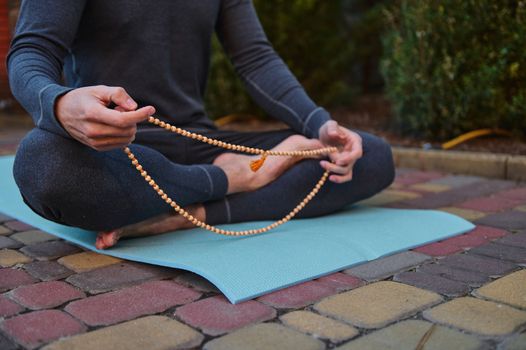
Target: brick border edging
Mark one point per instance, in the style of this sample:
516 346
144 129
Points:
502 166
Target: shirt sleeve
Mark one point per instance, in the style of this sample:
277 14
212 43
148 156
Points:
43 35
267 78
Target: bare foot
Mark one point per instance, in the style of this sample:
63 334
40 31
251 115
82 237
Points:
241 178
154 226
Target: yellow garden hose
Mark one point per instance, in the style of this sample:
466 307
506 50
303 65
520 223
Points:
471 135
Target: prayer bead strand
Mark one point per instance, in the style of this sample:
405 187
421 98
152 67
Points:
254 166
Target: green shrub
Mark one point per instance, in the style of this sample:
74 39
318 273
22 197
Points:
453 66
310 36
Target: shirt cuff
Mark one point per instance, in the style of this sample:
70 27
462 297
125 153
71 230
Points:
314 121
47 99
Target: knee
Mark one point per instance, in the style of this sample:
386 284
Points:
377 164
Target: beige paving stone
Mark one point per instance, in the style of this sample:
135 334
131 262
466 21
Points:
152 333
377 304
408 334
478 316
33 236
427 187
516 343
4 231
86 261
510 290
468 214
521 208
10 257
319 326
389 196
265 336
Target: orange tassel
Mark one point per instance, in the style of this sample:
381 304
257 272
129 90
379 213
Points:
256 164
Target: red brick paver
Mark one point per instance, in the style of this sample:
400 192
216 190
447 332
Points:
216 315
298 296
129 303
45 295
12 278
36 328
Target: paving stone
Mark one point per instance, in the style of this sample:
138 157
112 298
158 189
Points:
6 242
418 177
12 278
518 193
472 278
33 236
340 281
456 181
474 190
408 334
18 226
502 252
197 282
519 208
478 316
434 283
8 307
509 220
319 326
50 250
47 270
117 276
468 214
86 261
466 241
152 333
10 257
485 265
516 343
515 240
125 304
297 296
36 328
430 187
216 315
489 204
488 233
387 266
5 231
7 344
265 336
377 304
4 218
438 249
510 290
45 295
389 196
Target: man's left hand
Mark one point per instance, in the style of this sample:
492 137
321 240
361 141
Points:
350 145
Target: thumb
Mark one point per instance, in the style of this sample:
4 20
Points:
120 97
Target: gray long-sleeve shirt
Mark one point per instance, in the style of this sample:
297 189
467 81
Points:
159 51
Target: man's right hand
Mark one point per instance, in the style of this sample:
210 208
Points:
85 115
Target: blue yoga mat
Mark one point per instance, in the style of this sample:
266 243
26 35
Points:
246 267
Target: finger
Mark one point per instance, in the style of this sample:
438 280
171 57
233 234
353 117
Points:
101 131
341 179
111 143
119 96
121 119
333 168
346 158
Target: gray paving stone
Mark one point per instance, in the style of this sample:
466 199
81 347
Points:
509 220
515 343
472 278
119 275
485 265
448 198
47 270
5 231
387 266
50 250
4 218
33 236
456 181
6 242
434 283
7 344
503 252
514 240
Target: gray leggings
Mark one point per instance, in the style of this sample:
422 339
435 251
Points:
69 183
